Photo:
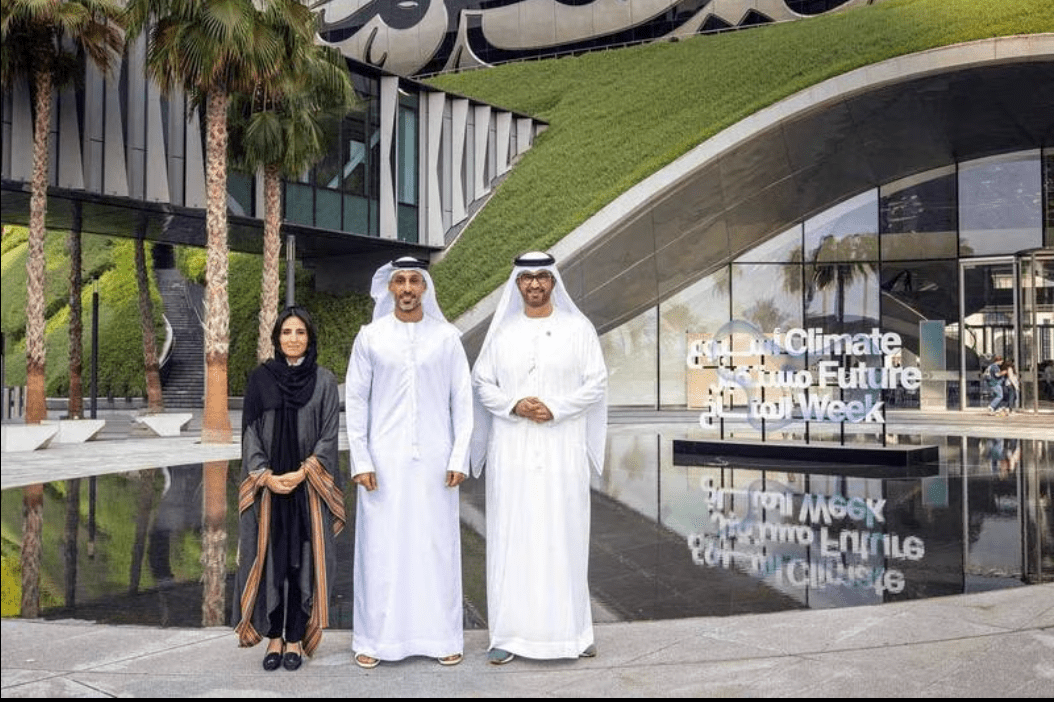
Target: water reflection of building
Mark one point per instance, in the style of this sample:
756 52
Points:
975 529
972 527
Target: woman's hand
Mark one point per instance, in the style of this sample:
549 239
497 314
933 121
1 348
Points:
287 482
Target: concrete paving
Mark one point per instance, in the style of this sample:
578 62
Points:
994 644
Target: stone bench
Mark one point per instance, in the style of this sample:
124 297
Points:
76 431
165 424
26 437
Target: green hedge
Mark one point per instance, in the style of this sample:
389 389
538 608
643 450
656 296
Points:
618 116
337 317
96 259
112 261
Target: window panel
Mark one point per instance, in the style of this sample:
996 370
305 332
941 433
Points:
917 216
845 232
783 248
356 210
299 203
701 308
629 352
1000 203
327 209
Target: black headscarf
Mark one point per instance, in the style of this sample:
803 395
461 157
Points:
278 386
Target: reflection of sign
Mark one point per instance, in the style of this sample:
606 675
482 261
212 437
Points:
843 534
741 360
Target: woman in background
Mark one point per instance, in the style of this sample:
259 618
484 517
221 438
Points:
1011 385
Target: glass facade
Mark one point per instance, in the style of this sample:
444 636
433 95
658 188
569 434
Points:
701 308
918 217
630 356
935 257
342 191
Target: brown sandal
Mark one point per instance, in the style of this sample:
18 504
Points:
452 659
367 662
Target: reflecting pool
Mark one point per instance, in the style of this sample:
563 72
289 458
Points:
823 536
668 540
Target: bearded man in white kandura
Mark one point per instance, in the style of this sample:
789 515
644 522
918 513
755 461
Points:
409 417
541 422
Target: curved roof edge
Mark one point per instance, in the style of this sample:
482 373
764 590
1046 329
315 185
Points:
816 102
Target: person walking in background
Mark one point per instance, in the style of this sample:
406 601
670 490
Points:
1011 386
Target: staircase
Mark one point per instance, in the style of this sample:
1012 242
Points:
184 385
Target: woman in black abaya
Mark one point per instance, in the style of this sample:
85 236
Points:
290 501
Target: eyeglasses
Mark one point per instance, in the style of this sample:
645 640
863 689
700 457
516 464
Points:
542 277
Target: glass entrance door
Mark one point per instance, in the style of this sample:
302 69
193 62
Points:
1006 309
988 307
1036 325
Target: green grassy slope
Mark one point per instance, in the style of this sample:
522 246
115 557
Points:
618 116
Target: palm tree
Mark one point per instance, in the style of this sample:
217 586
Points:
833 263
212 49
279 127
35 36
847 259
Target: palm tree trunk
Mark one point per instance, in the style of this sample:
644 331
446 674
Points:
214 544
840 272
32 529
272 246
144 505
73 245
155 401
73 519
216 425
36 409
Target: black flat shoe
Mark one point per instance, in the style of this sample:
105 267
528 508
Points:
272 661
291 660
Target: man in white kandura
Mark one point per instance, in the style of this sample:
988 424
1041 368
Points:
541 421
409 417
